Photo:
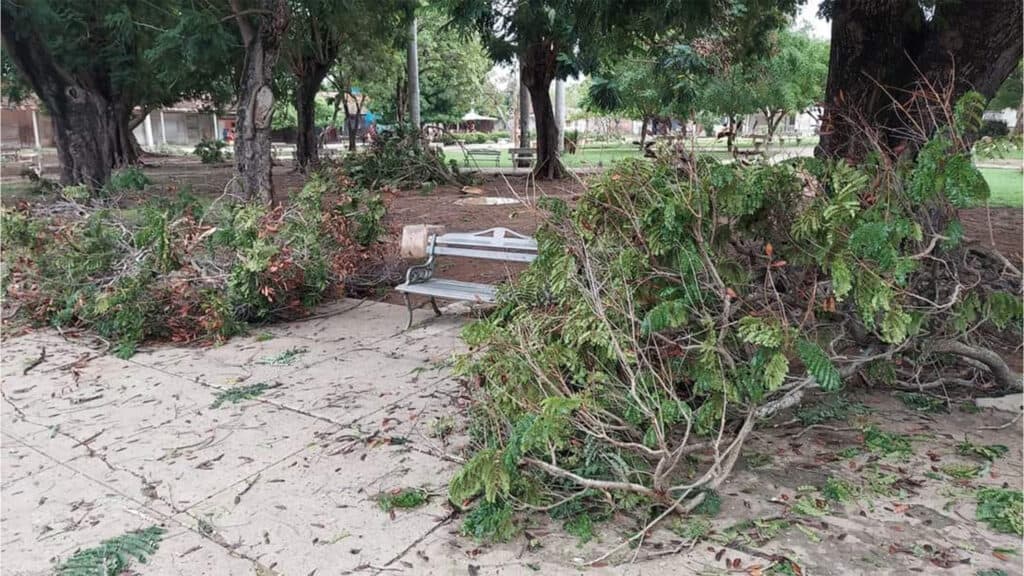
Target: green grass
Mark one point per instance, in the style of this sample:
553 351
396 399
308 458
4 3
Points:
1007 185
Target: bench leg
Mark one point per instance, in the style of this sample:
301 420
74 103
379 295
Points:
433 304
408 305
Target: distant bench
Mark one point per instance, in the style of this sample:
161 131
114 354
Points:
522 157
485 153
494 244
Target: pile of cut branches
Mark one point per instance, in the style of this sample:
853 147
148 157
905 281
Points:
178 269
677 306
402 160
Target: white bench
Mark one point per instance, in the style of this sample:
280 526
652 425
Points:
493 244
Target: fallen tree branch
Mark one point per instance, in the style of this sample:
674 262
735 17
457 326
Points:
992 361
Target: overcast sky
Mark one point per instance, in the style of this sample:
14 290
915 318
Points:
809 15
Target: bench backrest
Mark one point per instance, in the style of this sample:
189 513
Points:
493 244
522 151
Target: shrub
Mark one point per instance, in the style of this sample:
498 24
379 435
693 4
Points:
128 179
210 151
994 129
681 302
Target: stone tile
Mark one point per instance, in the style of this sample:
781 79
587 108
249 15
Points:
317 511
352 387
51 514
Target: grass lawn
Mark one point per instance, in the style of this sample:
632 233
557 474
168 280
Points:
1007 185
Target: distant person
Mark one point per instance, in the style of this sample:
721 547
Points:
224 133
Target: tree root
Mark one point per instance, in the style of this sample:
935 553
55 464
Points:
992 361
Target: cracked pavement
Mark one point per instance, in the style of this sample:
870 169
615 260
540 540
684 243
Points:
286 483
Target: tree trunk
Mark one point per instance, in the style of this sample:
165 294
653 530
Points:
538 71
307 151
643 132
412 62
730 136
888 49
352 120
253 159
524 115
90 127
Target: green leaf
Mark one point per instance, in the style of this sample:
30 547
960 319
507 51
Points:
819 365
895 325
775 371
760 331
842 280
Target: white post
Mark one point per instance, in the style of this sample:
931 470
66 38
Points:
35 129
216 129
149 131
413 62
560 112
163 129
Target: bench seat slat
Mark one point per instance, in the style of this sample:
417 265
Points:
452 289
486 254
513 243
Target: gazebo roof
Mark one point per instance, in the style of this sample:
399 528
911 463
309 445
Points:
472 116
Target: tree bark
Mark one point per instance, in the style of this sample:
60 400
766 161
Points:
643 132
352 119
887 54
253 159
538 71
307 151
90 121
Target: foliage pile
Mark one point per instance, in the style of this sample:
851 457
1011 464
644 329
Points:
401 160
210 151
178 270
677 306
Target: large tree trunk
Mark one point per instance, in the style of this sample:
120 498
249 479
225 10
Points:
90 128
253 159
307 152
538 71
886 50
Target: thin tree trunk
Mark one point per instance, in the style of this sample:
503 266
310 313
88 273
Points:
524 116
253 159
307 151
412 61
643 132
884 50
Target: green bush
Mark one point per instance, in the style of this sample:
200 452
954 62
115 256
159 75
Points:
210 151
994 129
128 179
675 306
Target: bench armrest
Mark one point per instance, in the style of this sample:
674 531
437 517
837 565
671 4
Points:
422 272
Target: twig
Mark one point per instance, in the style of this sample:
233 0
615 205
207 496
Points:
36 362
1002 426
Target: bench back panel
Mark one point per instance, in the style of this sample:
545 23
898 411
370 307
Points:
494 244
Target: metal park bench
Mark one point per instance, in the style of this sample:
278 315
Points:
493 244
485 153
522 157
